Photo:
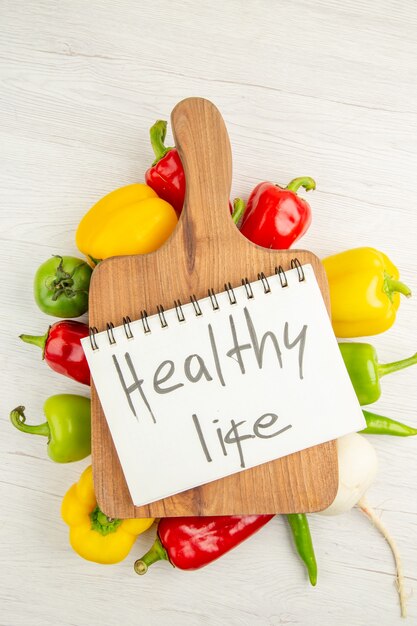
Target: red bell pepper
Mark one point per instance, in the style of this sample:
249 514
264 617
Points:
61 349
192 542
275 217
166 176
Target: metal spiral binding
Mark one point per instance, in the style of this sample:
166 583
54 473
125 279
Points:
161 315
93 332
213 300
279 272
126 325
295 264
230 293
144 318
179 311
110 333
196 306
265 283
248 288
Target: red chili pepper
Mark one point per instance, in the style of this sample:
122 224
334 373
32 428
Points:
61 349
192 542
166 176
275 217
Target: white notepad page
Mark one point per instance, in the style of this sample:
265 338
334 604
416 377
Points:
234 387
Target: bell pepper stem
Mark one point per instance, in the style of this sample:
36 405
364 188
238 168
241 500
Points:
94 261
392 286
387 368
103 524
158 133
238 210
303 181
156 553
18 419
37 340
63 281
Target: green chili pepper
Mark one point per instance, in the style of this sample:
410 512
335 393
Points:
380 425
302 539
67 426
365 372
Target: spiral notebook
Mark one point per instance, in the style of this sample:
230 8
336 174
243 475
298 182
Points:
218 385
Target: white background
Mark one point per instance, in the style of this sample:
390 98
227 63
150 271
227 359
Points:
319 88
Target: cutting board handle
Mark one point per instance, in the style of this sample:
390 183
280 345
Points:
203 144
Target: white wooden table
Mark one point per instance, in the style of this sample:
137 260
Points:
316 88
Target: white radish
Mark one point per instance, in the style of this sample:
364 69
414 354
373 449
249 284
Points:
358 466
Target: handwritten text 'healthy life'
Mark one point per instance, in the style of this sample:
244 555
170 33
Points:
167 380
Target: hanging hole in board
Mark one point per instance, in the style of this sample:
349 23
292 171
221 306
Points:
230 293
196 305
161 314
279 271
145 323
93 332
126 325
265 283
179 311
213 300
248 288
295 264
110 333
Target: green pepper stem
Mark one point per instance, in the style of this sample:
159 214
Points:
102 524
37 340
238 209
94 261
158 133
303 181
387 368
395 286
156 553
18 419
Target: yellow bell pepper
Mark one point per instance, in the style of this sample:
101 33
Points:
364 292
93 535
129 220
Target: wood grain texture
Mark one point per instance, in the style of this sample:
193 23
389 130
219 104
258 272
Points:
321 88
205 251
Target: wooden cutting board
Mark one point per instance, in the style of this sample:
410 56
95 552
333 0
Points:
205 251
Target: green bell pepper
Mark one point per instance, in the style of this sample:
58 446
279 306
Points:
67 426
365 372
61 285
